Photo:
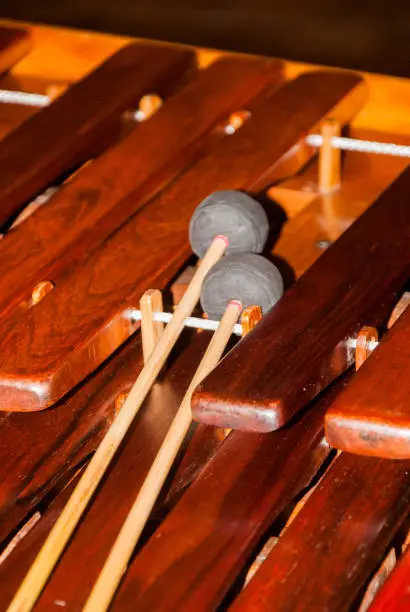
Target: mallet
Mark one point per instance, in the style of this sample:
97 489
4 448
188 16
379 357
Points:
253 268
237 220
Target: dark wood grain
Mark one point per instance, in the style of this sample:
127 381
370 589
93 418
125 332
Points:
80 323
15 43
373 416
289 356
62 134
38 450
203 443
197 552
332 547
93 539
394 595
91 206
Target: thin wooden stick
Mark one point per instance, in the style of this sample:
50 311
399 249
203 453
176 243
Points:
151 331
117 561
51 550
329 158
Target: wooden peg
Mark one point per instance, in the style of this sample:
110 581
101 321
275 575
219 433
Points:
329 158
151 330
366 335
119 401
236 121
148 105
56 90
250 317
40 291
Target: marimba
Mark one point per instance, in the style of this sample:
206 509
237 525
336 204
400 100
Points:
290 489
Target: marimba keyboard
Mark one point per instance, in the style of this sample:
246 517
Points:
120 189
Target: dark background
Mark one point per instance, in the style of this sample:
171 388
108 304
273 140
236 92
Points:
368 35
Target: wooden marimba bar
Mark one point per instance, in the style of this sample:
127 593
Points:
168 513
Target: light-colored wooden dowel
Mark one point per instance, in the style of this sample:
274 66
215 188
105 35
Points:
117 561
151 331
329 158
58 537
149 104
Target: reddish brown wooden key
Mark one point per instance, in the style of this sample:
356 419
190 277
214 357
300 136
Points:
64 133
372 417
99 528
290 356
207 539
66 336
81 216
329 551
208 536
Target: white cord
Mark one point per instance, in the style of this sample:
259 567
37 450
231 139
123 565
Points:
196 322
23 98
361 146
208 324
370 345
315 140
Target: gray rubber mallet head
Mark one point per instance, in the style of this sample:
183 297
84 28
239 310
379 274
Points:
233 214
247 277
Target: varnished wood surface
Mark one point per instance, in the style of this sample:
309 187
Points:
202 446
204 543
83 214
394 596
74 427
373 416
87 314
39 450
85 555
46 459
64 133
340 536
288 358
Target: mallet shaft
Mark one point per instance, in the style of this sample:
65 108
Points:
117 561
54 545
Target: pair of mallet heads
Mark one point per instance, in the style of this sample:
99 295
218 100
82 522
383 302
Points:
225 222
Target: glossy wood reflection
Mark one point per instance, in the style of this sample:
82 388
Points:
206 540
87 315
82 215
340 293
64 133
85 555
340 536
373 416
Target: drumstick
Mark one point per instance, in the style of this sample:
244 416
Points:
117 561
58 537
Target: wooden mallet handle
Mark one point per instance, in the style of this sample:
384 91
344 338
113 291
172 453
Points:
58 537
117 561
